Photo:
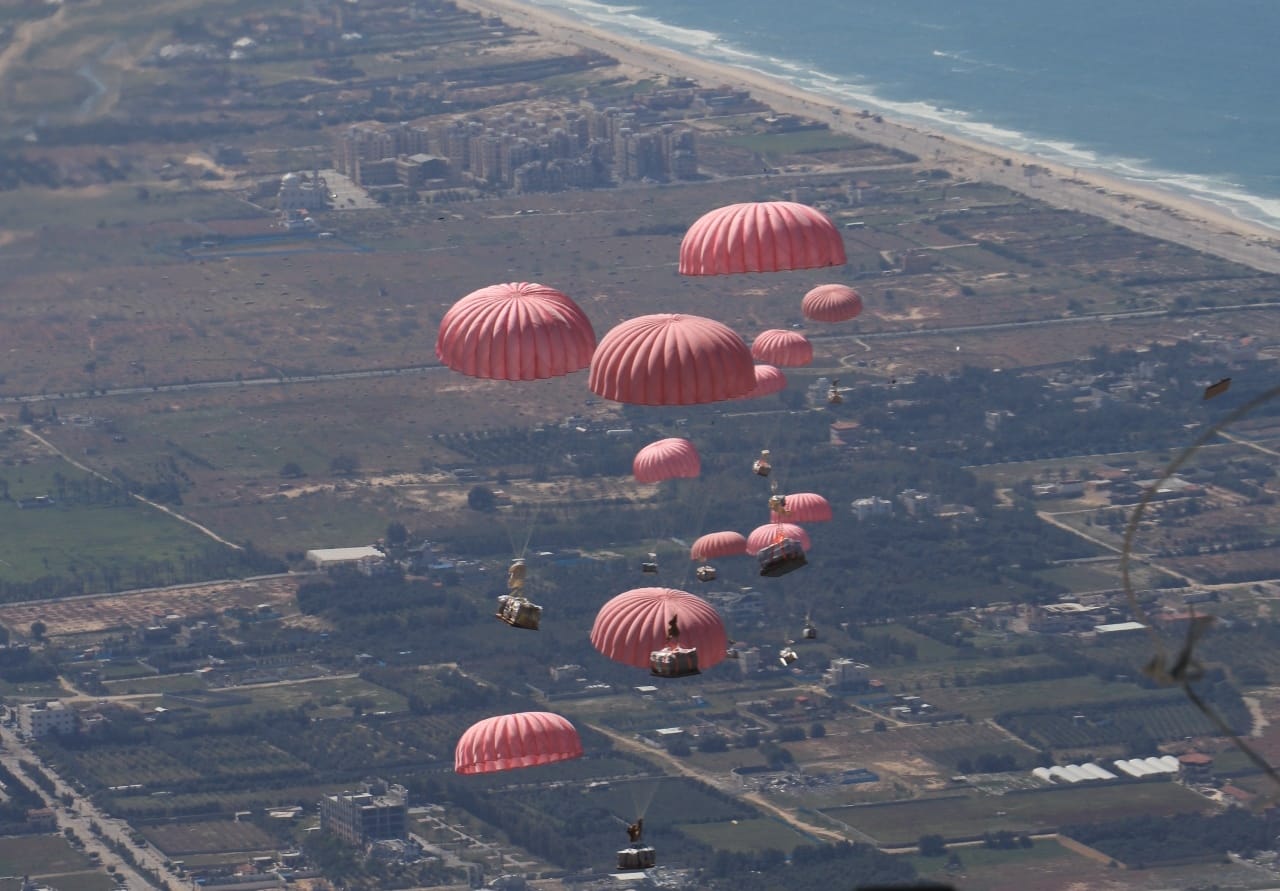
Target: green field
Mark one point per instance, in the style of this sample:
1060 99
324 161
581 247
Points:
71 881
746 835
115 538
967 816
993 699
209 837
981 866
155 684
332 695
39 855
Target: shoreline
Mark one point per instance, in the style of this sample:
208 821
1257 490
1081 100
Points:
1149 210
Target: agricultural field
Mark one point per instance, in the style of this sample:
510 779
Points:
669 800
987 701
968 815
209 837
39 855
1170 717
745 836
138 609
327 697
70 881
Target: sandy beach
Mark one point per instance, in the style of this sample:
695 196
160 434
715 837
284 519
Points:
1151 211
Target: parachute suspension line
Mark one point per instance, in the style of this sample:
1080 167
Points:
1184 669
642 792
700 519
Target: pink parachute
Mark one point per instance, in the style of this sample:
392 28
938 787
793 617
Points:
778 346
634 624
671 359
772 533
769 380
666 459
525 739
718 544
831 303
516 332
769 236
805 507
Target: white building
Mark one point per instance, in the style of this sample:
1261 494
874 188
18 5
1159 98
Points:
326 558
43 718
865 508
845 673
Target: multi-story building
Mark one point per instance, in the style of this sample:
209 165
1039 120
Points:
377 811
43 718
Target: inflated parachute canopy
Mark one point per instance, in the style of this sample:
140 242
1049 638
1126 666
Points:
831 303
805 507
634 624
771 533
778 346
666 459
525 739
671 359
718 544
765 236
518 331
769 380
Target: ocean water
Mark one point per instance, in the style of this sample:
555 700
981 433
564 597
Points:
1183 95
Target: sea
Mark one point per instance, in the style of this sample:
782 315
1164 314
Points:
1180 95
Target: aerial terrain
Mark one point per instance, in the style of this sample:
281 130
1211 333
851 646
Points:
253 529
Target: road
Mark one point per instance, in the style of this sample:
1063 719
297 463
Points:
83 814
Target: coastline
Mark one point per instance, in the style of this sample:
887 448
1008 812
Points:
1135 206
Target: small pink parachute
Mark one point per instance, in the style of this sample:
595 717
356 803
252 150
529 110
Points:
525 739
671 359
767 236
772 533
778 346
831 303
769 380
634 624
517 332
805 507
718 544
666 459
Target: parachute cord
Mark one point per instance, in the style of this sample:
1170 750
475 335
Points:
1181 672
699 524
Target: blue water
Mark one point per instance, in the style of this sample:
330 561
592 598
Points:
1179 94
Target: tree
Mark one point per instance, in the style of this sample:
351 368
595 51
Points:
482 499
292 470
397 534
817 731
38 629
932 846
344 464
880 726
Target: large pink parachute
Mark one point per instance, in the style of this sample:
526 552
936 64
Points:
525 739
768 236
519 331
671 359
771 533
805 507
666 459
831 303
633 625
778 346
769 380
718 544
